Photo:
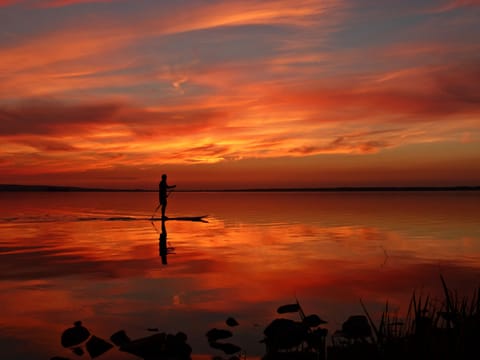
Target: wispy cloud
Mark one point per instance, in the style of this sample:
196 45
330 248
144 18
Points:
451 5
60 3
94 54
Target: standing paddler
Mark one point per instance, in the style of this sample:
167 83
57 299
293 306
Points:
163 194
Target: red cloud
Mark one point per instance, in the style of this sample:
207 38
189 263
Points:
52 118
449 90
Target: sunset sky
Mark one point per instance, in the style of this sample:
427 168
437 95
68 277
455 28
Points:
230 94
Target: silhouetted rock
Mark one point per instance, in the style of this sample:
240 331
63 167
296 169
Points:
160 346
289 308
97 346
176 346
231 322
284 334
313 321
146 347
78 351
181 336
75 335
120 338
356 326
217 334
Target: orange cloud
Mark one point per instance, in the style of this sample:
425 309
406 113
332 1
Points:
60 3
248 12
294 122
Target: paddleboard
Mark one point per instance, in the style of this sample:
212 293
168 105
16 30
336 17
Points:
183 218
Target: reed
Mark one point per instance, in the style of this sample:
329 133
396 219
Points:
443 329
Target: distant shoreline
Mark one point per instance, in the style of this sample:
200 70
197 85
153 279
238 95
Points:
50 188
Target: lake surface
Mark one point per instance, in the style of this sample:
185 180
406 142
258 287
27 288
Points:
95 257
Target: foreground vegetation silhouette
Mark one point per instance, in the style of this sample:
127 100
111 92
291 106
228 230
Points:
431 329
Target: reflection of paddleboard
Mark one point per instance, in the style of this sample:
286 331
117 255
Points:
184 218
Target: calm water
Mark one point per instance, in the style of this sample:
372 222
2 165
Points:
63 259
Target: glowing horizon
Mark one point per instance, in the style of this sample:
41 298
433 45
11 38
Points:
239 94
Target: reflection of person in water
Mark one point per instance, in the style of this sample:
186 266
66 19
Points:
163 249
162 243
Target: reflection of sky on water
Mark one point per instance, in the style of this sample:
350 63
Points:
257 252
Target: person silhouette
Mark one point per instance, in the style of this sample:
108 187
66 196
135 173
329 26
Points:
163 195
